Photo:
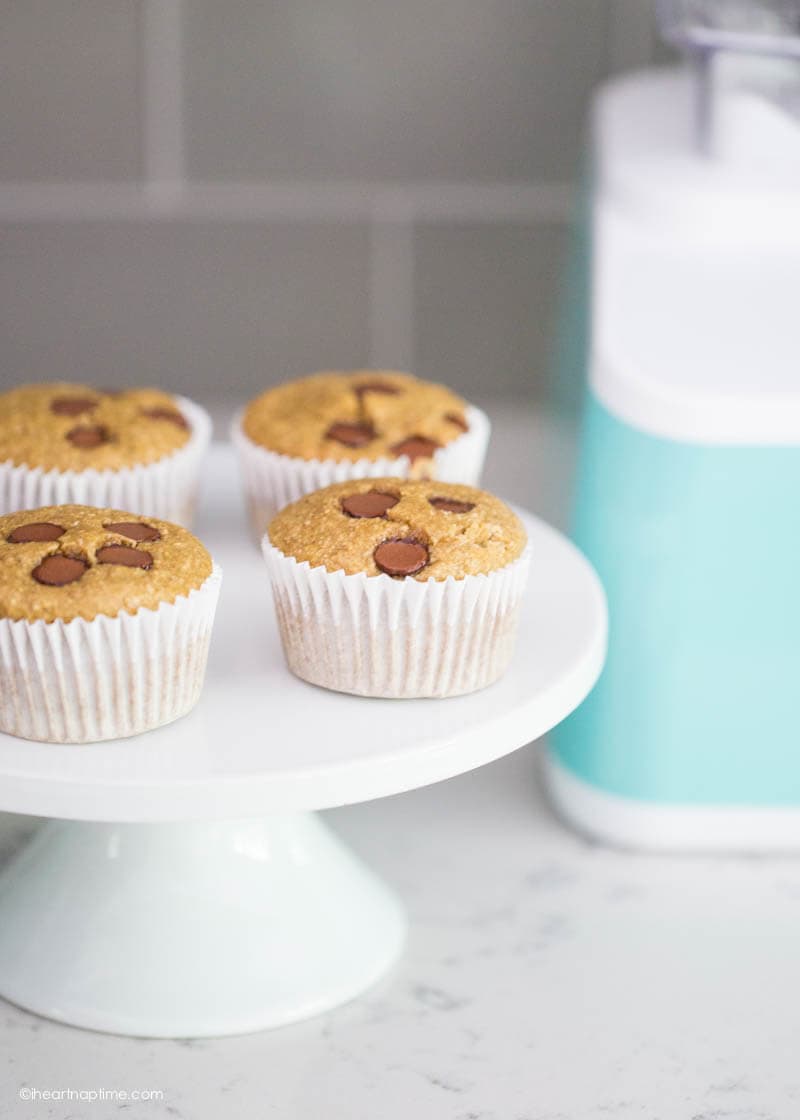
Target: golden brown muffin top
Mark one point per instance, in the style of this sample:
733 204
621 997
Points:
70 562
357 414
67 427
427 530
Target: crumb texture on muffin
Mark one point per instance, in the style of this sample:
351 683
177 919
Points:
65 562
64 426
358 414
406 529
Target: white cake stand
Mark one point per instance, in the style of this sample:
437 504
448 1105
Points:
185 888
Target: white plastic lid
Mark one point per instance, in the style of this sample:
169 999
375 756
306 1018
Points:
696 295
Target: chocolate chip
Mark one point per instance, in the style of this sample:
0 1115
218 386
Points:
401 556
450 505
350 433
416 447
372 504
134 530
87 437
72 406
127 557
170 414
458 420
36 531
55 571
377 387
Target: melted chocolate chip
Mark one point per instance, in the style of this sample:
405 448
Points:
87 437
377 387
450 505
416 447
351 433
127 557
57 570
372 504
36 531
170 414
72 406
458 420
401 556
134 530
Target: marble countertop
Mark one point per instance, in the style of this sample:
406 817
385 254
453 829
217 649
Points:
545 978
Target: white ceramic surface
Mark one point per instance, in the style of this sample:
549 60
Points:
153 927
262 741
191 929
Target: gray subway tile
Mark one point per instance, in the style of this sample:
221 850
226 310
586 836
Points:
206 309
486 299
69 89
458 89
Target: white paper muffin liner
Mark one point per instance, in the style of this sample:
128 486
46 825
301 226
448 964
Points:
272 481
166 488
79 681
378 636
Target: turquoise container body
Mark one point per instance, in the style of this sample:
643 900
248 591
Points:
698 548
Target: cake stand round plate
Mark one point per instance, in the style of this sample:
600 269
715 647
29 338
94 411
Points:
185 887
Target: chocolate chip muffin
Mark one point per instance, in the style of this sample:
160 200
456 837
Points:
63 442
403 528
363 414
332 426
398 588
70 562
105 620
63 427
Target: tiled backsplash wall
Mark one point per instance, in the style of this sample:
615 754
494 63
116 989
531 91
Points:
216 194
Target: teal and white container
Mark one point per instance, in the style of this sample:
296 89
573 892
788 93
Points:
688 500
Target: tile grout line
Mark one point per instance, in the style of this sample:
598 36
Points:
162 100
286 200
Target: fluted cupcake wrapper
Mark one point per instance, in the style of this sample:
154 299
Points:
378 636
273 481
79 681
166 488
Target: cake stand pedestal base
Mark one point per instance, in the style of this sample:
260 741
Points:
191 929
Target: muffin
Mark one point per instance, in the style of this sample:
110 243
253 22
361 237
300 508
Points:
138 449
331 427
397 588
105 621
